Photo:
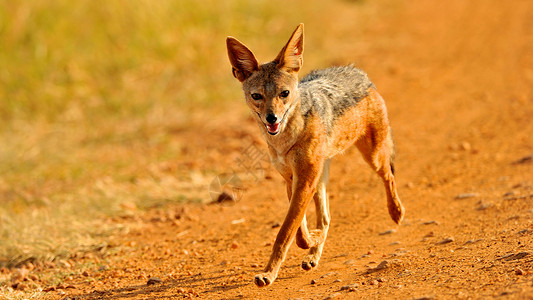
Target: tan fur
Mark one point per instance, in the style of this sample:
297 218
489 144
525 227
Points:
309 135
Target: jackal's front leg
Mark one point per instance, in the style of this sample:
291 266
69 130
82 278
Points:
317 236
304 187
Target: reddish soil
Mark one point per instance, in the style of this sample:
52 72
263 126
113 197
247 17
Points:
458 80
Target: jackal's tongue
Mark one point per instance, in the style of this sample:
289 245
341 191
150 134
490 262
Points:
273 128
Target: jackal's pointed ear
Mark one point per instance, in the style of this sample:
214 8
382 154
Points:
241 58
291 56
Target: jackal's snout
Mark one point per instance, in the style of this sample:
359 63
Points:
271 118
273 123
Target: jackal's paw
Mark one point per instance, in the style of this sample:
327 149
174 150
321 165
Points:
310 262
264 279
396 211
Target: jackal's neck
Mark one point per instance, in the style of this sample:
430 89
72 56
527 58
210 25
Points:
292 129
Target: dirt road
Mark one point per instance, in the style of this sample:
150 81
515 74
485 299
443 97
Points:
458 80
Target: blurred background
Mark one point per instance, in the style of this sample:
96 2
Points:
108 109
100 102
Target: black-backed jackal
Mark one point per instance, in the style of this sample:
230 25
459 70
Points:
306 123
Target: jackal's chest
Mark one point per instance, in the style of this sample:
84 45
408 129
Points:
281 164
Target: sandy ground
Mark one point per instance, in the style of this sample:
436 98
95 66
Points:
458 80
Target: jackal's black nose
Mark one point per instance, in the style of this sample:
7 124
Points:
271 118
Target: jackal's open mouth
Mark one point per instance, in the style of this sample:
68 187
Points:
273 129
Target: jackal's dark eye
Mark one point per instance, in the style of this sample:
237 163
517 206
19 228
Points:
257 96
284 94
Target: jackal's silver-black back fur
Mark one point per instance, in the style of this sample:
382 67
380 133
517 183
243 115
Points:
330 92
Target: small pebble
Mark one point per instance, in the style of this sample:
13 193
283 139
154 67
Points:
390 231
518 255
225 197
472 241
404 273
350 287
509 194
446 241
337 280
382 265
153 280
524 160
399 286
430 234
349 262
466 195
397 254
238 221
512 256
523 231
385 264
466 146
430 222
483 206
425 298
328 274
519 271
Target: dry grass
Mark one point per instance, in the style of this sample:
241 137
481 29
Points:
90 95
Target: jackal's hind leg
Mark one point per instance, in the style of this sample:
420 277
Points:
377 149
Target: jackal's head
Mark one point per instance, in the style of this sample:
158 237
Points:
270 89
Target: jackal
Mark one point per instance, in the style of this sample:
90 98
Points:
307 123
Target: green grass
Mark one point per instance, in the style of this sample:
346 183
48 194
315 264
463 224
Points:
64 60
90 95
